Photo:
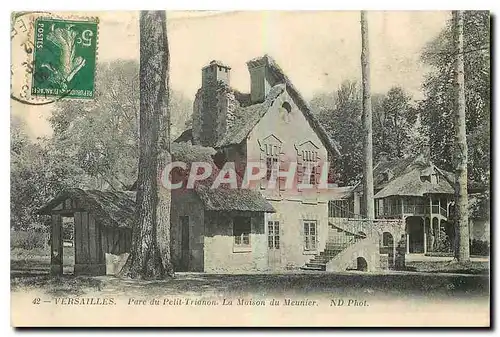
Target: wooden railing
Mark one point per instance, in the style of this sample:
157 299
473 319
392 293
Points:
334 211
412 209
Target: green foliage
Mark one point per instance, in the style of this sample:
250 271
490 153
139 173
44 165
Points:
340 113
437 109
37 174
439 104
393 119
101 137
443 243
479 247
393 124
94 144
28 239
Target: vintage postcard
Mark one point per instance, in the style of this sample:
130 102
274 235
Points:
250 169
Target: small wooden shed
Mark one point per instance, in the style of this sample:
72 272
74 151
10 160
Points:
102 224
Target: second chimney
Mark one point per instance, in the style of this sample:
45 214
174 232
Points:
259 79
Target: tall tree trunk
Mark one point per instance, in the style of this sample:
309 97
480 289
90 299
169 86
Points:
146 258
369 211
164 157
462 251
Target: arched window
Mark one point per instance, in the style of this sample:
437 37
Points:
287 107
386 239
284 112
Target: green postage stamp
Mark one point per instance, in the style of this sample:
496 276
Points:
64 59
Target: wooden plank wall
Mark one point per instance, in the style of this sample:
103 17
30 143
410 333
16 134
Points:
93 253
88 249
77 237
116 240
93 239
56 256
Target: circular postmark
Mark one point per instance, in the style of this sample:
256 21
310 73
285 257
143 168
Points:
22 49
52 57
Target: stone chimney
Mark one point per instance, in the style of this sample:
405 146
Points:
214 72
214 104
259 79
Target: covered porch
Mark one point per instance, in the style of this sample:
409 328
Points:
425 234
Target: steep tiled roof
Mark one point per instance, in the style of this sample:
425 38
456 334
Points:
246 118
249 116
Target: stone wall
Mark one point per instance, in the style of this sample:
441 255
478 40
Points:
186 203
293 130
197 117
213 112
368 249
291 215
222 256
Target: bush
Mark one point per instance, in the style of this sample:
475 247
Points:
28 239
443 243
480 247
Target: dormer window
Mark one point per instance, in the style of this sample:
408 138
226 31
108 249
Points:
308 161
387 175
272 162
270 156
287 107
285 111
429 175
434 178
310 165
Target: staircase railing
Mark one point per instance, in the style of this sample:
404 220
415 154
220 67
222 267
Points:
344 240
348 214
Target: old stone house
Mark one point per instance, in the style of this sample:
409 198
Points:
274 125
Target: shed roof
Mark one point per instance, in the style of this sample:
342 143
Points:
225 199
112 208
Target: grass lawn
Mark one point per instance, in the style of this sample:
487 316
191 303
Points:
29 271
316 283
472 267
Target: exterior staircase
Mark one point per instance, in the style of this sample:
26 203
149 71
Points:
338 240
350 238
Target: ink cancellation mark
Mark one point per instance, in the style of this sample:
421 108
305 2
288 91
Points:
64 60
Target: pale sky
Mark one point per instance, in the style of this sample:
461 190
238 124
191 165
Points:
317 50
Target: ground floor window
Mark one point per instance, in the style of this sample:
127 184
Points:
242 227
273 235
310 234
